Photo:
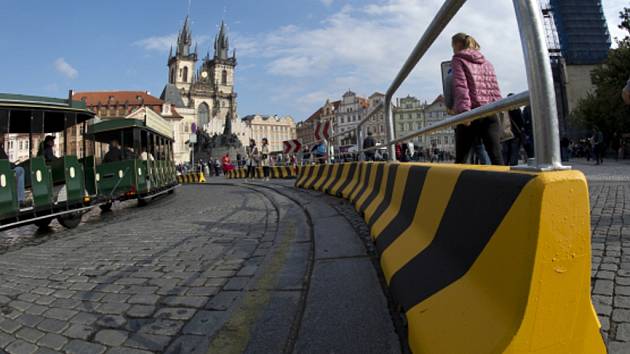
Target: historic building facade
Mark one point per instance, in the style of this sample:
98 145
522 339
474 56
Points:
410 114
276 129
205 95
351 110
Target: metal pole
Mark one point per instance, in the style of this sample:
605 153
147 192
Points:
540 82
389 123
359 140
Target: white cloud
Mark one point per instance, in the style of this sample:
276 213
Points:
157 43
65 69
363 47
327 2
164 43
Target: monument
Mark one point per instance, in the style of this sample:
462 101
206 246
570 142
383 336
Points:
210 148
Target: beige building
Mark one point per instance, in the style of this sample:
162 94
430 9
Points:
376 123
276 129
410 114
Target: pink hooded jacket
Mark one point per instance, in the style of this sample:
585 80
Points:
474 81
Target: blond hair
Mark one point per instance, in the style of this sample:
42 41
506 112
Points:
467 41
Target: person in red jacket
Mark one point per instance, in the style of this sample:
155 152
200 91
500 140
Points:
474 85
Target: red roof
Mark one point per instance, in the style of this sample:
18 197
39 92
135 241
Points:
104 98
438 99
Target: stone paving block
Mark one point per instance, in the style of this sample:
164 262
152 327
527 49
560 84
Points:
52 341
223 300
116 298
60 314
618 347
621 315
622 290
79 331
21 347
140 311
203 291
185 301
145 341
20 305
36 310
236 284
9 326
144 299
603 287
112 308
155 326
84 318
175 313
111 321
205 323
5 339
53 326
125 350
82 347
29 320
29 334
110 337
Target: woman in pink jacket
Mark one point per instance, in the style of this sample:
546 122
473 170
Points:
474 85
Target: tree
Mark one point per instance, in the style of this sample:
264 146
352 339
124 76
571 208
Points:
604 107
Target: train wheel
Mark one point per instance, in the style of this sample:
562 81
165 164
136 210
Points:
142 202
43 223
70 221
105 207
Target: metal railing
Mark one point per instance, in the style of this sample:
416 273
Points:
541 94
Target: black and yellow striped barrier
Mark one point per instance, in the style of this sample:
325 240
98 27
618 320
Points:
278 172
191 178
481 259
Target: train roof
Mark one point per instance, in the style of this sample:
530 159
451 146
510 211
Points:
47 114
104 127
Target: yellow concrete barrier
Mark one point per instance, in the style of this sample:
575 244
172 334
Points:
480 259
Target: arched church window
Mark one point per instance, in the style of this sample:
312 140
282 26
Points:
224 77
204 114
186 74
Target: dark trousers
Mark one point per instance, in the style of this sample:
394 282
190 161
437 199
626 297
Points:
488 130
512 151
251 171
266 171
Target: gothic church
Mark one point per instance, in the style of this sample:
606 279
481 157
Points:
205 95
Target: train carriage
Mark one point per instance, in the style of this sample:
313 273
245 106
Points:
37 186
146 156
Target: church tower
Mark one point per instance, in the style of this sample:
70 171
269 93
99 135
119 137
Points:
181 65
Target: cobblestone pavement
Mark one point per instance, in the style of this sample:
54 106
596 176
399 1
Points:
155 278
609 189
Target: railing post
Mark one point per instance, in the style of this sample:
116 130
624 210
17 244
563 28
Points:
359 134
389 124
540 83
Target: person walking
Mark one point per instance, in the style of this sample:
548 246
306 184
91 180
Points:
369 142
598 145
264 158
474 85
252 159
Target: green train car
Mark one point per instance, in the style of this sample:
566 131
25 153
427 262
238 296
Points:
40 187
138 163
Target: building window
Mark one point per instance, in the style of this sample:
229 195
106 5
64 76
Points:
224 77
186 74
203 112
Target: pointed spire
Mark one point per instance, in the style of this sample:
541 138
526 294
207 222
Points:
184 39
221 43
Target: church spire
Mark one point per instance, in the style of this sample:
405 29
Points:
222 44
184 40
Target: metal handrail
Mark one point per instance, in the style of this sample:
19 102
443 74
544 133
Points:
469 116
539 79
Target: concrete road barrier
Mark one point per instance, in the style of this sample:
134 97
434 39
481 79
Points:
481 259
284 172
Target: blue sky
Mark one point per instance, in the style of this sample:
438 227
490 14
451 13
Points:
292 54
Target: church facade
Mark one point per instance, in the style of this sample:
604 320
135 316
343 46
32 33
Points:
202 91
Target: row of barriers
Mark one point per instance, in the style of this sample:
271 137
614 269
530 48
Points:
276 172
481 259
